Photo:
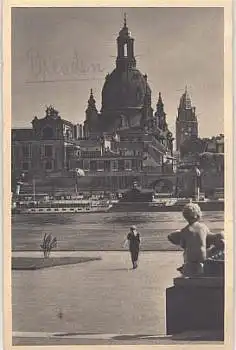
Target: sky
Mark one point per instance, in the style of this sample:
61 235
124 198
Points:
59 54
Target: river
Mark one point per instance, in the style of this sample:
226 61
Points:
102 231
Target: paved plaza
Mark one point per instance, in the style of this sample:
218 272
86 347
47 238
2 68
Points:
98 302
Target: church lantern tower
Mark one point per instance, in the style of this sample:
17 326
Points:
126 93
186 121
125 49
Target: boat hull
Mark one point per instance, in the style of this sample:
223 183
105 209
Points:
60 210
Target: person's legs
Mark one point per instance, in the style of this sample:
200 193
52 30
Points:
135 259
132 252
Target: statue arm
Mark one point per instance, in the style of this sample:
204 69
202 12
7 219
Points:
213 237
126 241
175 237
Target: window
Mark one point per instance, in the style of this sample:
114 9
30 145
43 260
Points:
121 165
93 165
48 165
86 164
125 50
48 150
100 165
25 166
90 154
134 164
79 164
114 165
47 133
107 165
128 165
26 150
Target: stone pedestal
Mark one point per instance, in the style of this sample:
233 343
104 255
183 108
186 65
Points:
195 304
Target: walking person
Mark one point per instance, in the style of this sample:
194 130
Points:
133 239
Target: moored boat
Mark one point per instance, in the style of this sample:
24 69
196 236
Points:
54 206
211 205
143 201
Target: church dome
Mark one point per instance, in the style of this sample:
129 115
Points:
124 89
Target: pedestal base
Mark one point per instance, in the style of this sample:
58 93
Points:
195 304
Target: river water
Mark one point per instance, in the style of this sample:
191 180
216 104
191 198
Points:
102 231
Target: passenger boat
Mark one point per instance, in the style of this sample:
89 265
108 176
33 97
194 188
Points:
137 201
56 206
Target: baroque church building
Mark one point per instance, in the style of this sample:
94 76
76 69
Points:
125 141
127 100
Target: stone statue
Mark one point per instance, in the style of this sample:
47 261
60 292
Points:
197 242
51 111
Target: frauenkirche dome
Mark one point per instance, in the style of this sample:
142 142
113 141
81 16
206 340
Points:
126 86
124 90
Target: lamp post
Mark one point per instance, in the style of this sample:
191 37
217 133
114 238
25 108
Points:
19 183
78 173
198 182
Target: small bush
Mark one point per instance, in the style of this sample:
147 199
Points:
49 242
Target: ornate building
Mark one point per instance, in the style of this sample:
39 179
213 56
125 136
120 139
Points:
127 115
186 121
126 99
124 141
46 149
126 95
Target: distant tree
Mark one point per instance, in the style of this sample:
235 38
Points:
212 161
193 146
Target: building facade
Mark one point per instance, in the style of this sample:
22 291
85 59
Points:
208 155
46 149
140 142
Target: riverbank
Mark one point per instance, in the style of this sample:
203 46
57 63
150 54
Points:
37 263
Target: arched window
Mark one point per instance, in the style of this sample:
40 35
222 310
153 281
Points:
47 133
125 50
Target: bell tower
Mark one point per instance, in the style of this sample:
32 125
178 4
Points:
186 121
125 49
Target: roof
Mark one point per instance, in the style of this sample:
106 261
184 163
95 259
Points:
211 155
22 134
122 91
185 101
90 143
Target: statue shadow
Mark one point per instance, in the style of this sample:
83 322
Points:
121 269
118 269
